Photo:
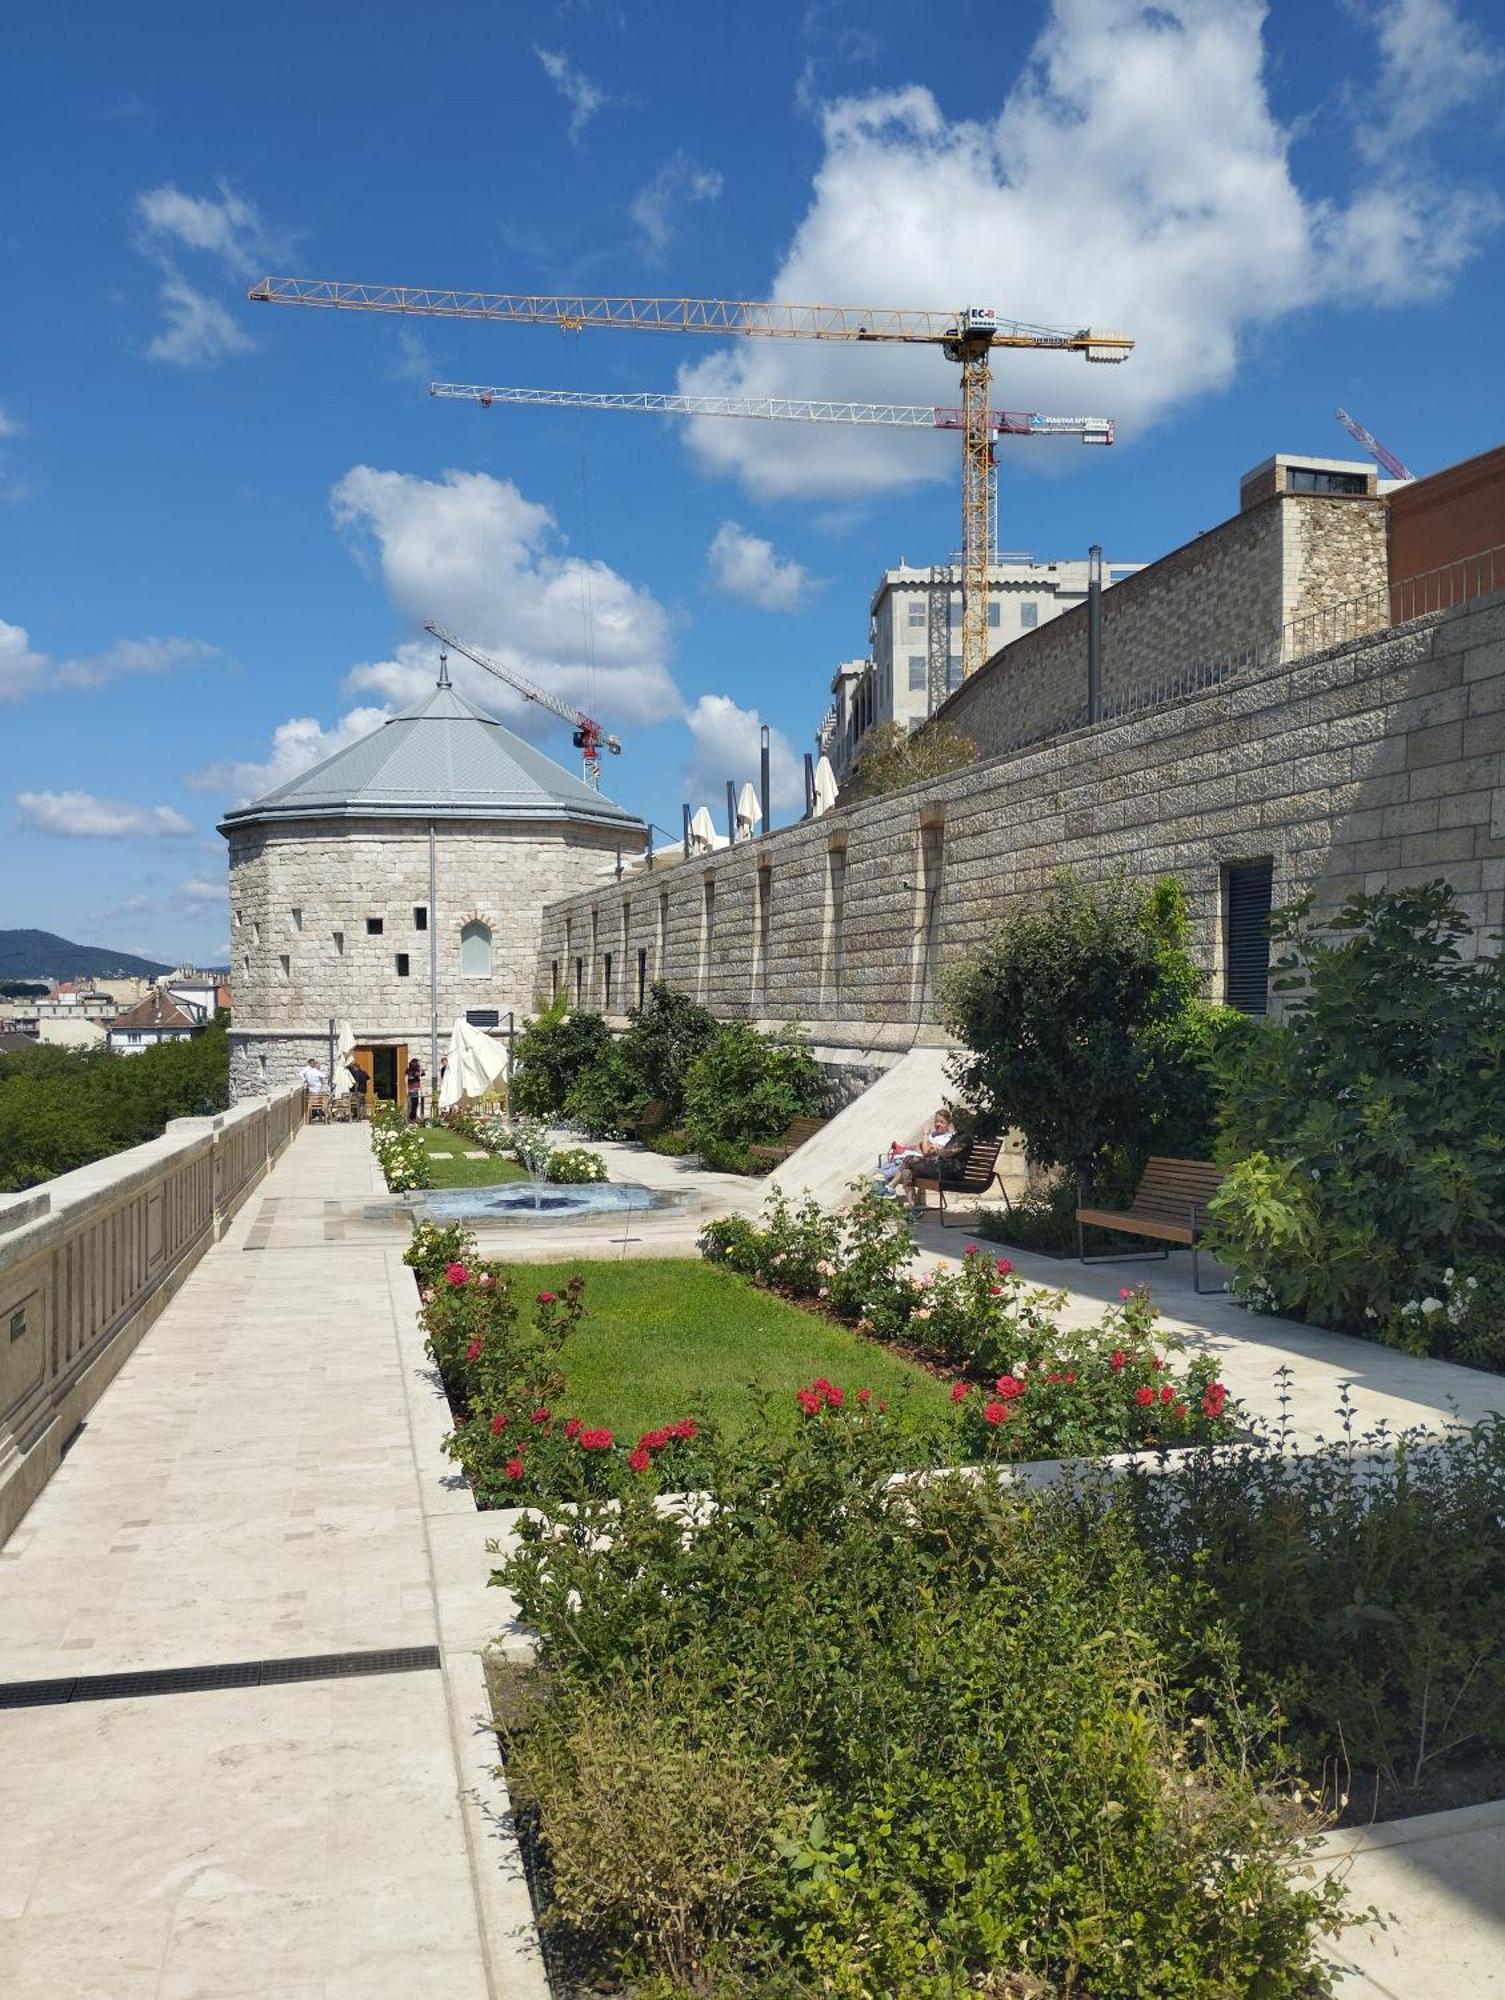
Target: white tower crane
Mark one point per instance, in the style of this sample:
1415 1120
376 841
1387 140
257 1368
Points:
590 738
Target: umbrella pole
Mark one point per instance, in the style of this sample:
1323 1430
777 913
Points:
433 971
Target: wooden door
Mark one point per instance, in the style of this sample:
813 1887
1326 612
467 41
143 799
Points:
366 1058
384 1074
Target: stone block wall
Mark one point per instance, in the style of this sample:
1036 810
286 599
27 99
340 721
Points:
1218 597
334 875
1377 762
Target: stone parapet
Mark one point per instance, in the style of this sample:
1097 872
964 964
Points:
89 1259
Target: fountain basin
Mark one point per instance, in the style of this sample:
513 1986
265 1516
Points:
536 1201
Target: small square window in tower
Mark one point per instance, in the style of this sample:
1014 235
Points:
374 926
1247 889
400 964
420 917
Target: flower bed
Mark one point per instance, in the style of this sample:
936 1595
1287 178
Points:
1025 1386
526 1141
400 1153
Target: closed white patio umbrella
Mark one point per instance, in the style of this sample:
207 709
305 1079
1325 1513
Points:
825 787
475 1063
344 1049
703 830
749 812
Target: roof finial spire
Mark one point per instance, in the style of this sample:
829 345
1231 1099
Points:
443 668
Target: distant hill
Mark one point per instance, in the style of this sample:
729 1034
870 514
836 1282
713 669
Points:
42 954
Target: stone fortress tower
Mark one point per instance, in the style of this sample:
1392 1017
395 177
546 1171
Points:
400 883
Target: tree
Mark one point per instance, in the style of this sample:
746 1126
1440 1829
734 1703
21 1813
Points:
1085 1031
665 1035
893 756
744 1088
552 1052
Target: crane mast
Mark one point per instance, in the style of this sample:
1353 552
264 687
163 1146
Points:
965 337
590 738
1386 460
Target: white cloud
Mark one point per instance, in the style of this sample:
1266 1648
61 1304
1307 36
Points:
82 816
656 208
227 229
1084 201
9 425
1434 62
471 552
203 889
746 567
727 745
24 671
582 96
297 745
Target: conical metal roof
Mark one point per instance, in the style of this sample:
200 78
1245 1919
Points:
443 759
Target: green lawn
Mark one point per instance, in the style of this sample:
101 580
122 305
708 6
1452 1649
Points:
447 1150
661 1331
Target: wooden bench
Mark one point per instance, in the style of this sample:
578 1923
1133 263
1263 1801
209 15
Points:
972 1172
1169 1206
649 1120
800 1129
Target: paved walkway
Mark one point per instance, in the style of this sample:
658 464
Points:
247 1490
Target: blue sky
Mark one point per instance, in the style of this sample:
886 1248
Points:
222 525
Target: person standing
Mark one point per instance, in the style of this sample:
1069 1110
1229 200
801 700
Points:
359 1083
415 1088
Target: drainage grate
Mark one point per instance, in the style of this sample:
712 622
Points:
198 1680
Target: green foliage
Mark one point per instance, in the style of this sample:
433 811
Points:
663 1038
434 1247
1086 1033
552 1053
745 1088
575 1164
894 756
400 1151
1365 1586
607 1096
62 1108
1368 1126
1002 1743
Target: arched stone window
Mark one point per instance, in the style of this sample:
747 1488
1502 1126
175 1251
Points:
475 950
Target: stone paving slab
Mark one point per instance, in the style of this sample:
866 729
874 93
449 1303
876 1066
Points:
245 1489
1439 1882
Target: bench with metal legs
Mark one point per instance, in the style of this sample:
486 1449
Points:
1168 1191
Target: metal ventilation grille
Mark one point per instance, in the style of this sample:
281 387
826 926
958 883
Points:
233 1674
1246 941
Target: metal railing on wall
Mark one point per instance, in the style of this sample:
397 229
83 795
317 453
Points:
1317 631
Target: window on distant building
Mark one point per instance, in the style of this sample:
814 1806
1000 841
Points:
579 980
401 962
917 673
1247 889
475 950
916 613
339 943
374 926
954 672
255 934
606 984
995 613
1029 616
761 934
286 964
420 917
956 608
642 973
295 918
1301 479
836 913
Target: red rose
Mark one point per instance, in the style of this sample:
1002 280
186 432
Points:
822 1385
514 1469
639 1460
1010 1385
539 1417
997 1413
1124 1292
969 1250
458 1274
547 1298
498 1424
836 1397
1156 1363
486 1281
597 1440
572 1427
1143 1396
808 1401
473 1352
685 1428
1004 1267
1167 1394
654 1440
1070 1375
882 1407
1179 1412
960 1391
864 1395
995 1291
1118 1360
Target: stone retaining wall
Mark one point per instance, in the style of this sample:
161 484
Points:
88 1260
1375 763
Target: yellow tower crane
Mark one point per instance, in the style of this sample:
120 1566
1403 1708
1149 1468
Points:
967 337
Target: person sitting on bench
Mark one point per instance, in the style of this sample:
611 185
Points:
936 1145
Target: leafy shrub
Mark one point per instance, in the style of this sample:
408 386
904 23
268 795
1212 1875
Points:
434 1247
1003 1745
575 1164
1365 1126
745 1087
62 1108
553 1052
664 1036
1365 1586
893 756
608 1095
1085 1032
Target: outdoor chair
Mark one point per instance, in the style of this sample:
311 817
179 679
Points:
972 1173
1169 1207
